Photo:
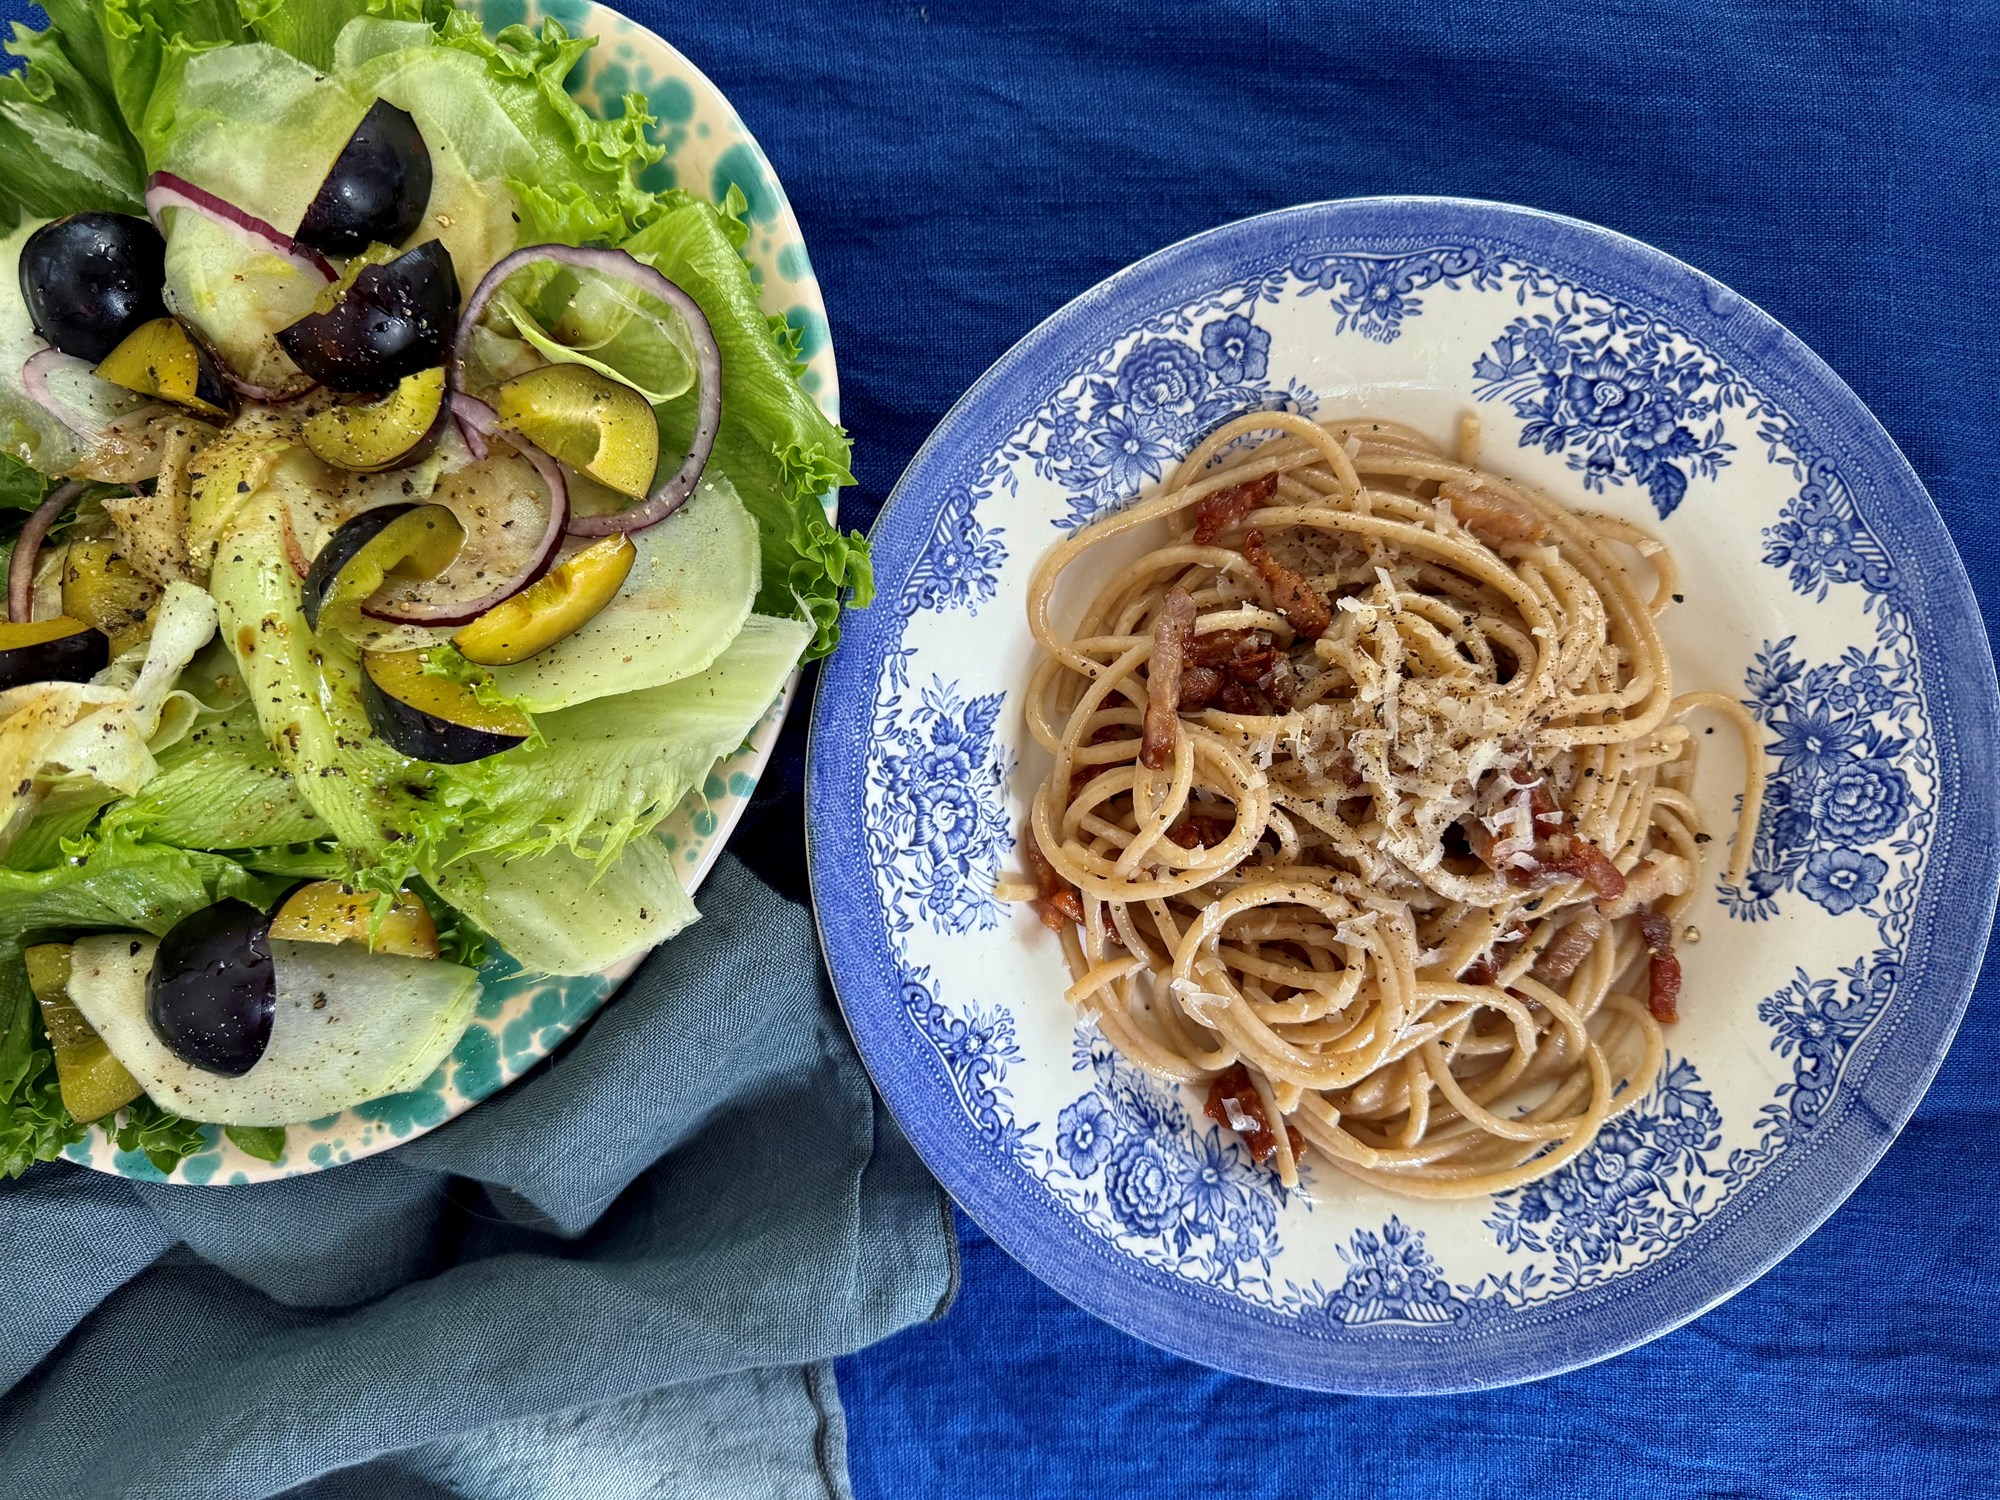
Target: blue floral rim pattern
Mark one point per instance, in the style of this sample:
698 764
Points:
1653 406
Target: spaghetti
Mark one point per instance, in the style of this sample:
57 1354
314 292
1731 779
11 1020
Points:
1371 807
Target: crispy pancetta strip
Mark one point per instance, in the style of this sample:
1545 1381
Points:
1226 508
1493 518
1292 595
1663 968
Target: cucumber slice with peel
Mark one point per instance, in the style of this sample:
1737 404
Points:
350 1026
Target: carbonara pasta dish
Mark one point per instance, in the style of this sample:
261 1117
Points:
1371 808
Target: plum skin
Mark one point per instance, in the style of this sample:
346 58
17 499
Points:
213 991
395 320
90 279
377 190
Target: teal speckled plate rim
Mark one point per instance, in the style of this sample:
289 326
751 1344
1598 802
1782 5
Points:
521 1019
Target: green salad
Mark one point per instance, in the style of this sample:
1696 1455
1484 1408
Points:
402 510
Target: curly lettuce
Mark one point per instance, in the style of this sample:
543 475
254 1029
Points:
573 175
63 143
606 773
776 445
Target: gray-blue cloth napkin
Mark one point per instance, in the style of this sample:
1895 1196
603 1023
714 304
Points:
626 1275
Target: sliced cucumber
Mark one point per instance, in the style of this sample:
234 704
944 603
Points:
350 1026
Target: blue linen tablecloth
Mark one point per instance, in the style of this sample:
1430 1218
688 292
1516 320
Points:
961 170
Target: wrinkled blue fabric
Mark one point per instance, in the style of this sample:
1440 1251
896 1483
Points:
624 1275
963 169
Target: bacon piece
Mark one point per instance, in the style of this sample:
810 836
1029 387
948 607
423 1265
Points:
1243 669
1226 508
1252 664
1305 609
1569 948
1245 655
1201 831
1233 1085
1594 865
1541 802
1171 633
1216 647
1239 699
1199 685
1493 518
1059 904
1663 968
1576 859
1485 969
1482 970
1661 876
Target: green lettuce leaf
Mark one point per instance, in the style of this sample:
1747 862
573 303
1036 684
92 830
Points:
232 102
63 144
308 28
21 487
307 695
776 445
615 331
147 46
607 773
166 1138
265 1142
688 593
297 862
575 176
116 884
34 1126
59 821
220 788
562 915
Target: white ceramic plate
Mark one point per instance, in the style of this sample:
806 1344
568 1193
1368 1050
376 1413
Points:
1822 591
521 1020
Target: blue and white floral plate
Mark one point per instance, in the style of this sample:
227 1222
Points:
1823 592
521 1020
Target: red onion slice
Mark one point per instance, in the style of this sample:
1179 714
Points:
619 266
28 546
164 190
464 611
35 375
476 422
269 396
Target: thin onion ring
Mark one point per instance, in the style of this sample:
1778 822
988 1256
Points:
165 190
28 546
463 612
669 496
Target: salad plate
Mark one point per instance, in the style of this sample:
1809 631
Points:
1820 993
708 153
